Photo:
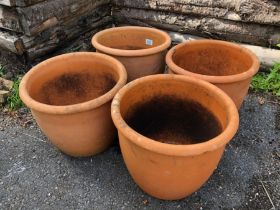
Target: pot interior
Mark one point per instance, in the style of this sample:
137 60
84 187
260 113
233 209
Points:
213 59
131 39
71 82
173 112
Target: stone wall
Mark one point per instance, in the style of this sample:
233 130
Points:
254 22
36 27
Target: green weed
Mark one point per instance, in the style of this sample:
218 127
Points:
268 82
13 101
2 70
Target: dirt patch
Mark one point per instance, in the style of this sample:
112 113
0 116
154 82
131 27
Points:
75 88
212 62
172 120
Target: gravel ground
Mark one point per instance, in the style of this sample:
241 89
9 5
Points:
35 175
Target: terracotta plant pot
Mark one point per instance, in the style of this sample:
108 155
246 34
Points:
173 131
226 65
70 98
142 50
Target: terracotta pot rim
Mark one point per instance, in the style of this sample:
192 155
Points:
169 149
214 79
75 108
131 53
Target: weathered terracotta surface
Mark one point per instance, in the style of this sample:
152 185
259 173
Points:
70 97
167 166
142 50
226 65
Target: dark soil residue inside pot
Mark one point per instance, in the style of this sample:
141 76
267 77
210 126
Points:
211 62
74 88
173 120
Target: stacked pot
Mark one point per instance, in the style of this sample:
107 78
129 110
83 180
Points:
172 128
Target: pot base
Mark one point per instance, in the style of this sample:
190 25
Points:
70 97
171 104
226 65
140 49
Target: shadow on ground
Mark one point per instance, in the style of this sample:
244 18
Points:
34 175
